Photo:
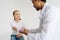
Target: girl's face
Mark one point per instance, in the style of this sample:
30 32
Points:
17 15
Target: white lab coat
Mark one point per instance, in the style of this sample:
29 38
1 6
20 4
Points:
50 24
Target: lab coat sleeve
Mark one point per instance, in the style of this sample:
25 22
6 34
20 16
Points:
37 30
51 21
34 30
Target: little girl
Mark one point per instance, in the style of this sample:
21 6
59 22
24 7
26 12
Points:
17 27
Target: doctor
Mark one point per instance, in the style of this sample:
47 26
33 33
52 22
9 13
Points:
49 24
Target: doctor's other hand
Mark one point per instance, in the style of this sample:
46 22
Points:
26 31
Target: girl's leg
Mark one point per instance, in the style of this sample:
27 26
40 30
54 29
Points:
13 37
21 38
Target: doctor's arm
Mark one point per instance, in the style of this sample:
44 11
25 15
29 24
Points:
37 30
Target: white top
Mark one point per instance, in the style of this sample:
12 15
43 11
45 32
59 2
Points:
18 25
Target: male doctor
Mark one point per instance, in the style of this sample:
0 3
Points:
49 22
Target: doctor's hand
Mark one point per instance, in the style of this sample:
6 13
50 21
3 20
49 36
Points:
26 31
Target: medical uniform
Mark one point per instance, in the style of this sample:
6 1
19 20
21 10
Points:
49 24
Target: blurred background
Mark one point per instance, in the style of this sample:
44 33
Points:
28 14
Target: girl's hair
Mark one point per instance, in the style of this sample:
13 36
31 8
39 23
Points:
14 13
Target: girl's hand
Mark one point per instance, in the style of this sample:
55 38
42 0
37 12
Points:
19 35
14 28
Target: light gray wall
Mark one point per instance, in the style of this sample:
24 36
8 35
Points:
29 15
54 2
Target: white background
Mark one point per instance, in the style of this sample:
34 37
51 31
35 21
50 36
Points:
29 15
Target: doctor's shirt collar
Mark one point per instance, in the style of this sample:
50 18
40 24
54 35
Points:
44 8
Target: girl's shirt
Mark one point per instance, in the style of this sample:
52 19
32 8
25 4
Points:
18 25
